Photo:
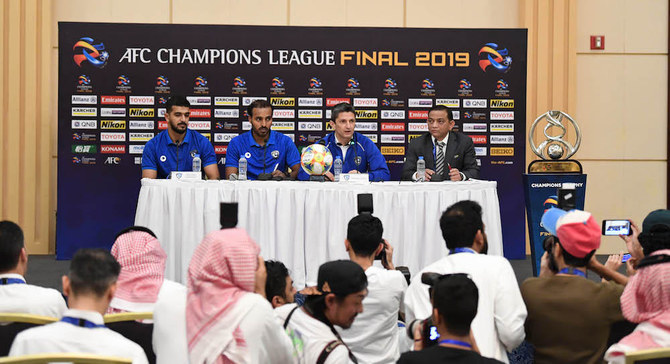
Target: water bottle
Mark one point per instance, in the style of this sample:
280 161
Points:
337 168
420 169
242 169
197 163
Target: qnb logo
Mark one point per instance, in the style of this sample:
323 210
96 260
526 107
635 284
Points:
490 56
162 81
86 51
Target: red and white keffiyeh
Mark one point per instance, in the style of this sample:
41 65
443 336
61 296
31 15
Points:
222 270
142 261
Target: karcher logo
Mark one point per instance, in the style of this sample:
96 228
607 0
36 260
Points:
367 114
282 101
142 113
112 124
502 104
501 152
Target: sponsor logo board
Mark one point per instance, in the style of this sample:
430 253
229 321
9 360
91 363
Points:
283 114
393 138
448 102
112 137
113 149
310 125
135 149
502 104
310 101
283 125
362 126
417 127
420 102
112 124
199 125
224 137
144 112
475 128
502 115
85 99
393 126
393 114
502 127
365 102
226 101
142 100
501 139
474 103
501 152
310 114
140 137
141 124
199 100
84 111
386 150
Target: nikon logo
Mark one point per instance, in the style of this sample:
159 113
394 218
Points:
502 104
112 124
366 114
282 101
143 113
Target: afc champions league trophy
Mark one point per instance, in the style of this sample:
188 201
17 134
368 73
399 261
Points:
554 150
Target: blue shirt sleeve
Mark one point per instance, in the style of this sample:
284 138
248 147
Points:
233 152
378 170
292 155
207 155
149 155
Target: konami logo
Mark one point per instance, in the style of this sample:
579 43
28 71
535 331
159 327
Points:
330 102
418 114
393 127
201 113
113 149
478 139
113 100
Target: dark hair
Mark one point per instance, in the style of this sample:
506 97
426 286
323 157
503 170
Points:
259 104
275 285
93 271
460 223
11 243
364 233
572 260
456 297
176 100
339 108
657 238
450 114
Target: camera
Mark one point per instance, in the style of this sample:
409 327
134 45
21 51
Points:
429 334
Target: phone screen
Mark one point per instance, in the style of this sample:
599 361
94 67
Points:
616 227
625 258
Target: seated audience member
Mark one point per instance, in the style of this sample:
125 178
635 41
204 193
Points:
279 285
646 298
16 296
225 320
169 335
569 316
373 337
454 299
655 235
89 287
342 285
141 281
498 326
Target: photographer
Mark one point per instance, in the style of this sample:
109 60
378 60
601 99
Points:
569 316
501 313
455 298
373 337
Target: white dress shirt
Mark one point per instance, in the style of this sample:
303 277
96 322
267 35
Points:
373 337
501 312
26 298
169 335
310 336
63 337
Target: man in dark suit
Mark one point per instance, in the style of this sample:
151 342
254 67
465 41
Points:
448 155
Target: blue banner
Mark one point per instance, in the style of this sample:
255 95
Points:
541 194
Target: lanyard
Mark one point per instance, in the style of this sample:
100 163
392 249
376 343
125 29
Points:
572 271
80 322
4 281
456 342
462 250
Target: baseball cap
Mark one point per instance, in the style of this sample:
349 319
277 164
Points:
578 232
656 217
550 218
341 277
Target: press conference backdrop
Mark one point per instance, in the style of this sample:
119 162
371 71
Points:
114 80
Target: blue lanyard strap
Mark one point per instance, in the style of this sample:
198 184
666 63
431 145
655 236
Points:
572 271
4 281
463 250
456 342
80 322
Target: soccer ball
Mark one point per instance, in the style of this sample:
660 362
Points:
316 159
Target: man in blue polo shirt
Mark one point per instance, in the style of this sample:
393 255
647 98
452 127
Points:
359 154
174 148
267 152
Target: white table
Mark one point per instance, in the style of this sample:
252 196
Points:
304 224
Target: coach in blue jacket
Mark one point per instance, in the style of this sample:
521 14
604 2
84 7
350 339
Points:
358 153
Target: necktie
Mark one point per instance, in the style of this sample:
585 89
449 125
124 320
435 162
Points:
439 159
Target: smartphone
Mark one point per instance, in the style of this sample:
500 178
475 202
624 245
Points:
567 197
625 258
616 227
228 215
365 203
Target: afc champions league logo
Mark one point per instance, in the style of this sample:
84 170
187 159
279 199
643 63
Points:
492 57
86 51
554 146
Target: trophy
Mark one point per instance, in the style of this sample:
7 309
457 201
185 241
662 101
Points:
555 150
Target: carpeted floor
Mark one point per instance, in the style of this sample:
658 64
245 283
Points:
46 271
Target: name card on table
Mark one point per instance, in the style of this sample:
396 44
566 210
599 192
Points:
186 176
355 178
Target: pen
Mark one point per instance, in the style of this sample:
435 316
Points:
449 166
276 165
